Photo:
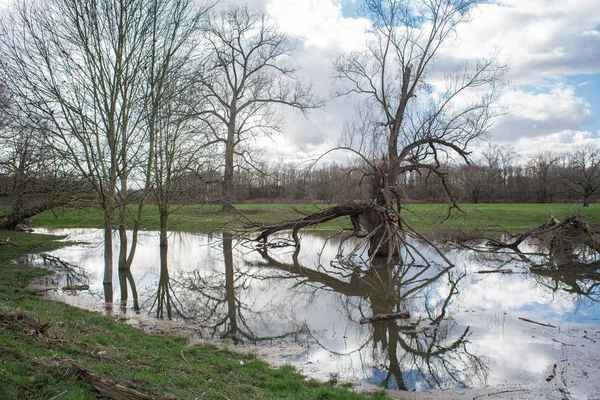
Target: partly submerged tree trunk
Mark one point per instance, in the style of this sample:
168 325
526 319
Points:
232 330
108 255
163 295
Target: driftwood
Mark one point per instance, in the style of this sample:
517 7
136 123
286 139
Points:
76 287
109 388
385 317
537 323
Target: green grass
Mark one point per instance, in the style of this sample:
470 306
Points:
45 345
428 217
513 218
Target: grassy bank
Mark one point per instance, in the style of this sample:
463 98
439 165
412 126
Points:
49 350
428 217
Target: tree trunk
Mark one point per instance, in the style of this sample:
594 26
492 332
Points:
163 295
586 201
108 254
230 286
227 190
123 253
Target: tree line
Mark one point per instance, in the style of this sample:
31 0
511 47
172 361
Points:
498 175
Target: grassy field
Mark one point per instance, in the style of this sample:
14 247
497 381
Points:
207 218
48 350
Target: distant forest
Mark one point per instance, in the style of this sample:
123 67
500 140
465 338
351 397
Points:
496 176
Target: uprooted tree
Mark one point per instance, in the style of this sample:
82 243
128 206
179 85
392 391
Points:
412 118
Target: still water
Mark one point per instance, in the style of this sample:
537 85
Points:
466 329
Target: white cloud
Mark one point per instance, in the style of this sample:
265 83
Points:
539 38
319 23
557 142
541 114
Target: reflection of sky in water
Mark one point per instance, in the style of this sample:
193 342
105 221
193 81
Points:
480 339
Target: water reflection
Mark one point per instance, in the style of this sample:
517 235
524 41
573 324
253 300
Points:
464 329
424 353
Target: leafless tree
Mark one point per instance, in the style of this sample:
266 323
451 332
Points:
582 176
542 167
176 142
246 77
32 178
409 124
79 70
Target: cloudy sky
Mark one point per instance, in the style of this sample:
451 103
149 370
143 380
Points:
551 46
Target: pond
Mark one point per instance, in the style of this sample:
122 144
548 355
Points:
531 331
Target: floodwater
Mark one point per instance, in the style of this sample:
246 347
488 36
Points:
532 333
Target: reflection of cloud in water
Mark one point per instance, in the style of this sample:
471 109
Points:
476 337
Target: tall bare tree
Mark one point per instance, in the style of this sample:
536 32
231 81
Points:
583 175
246 77
411 122
176 139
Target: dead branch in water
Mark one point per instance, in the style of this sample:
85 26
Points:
537 323
496 271
385 317
75 287
571 231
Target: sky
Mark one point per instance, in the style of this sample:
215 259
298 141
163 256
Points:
552 48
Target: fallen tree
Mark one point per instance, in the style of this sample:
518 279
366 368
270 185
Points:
561 237
404 127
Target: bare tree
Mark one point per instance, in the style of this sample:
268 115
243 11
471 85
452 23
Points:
76 67
247 75
409 124
542 166
583 174
175 141
32 178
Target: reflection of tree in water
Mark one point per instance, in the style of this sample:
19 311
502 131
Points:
125 278
405 355
215 302
165 302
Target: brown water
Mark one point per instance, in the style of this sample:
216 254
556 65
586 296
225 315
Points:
467 330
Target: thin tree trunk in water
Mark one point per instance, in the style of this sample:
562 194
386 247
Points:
108 255
230 285
125 279
163 296
123 256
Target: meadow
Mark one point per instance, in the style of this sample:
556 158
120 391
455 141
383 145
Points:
496 217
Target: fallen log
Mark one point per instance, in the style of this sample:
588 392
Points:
350 208
385 317
110 389
76 287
